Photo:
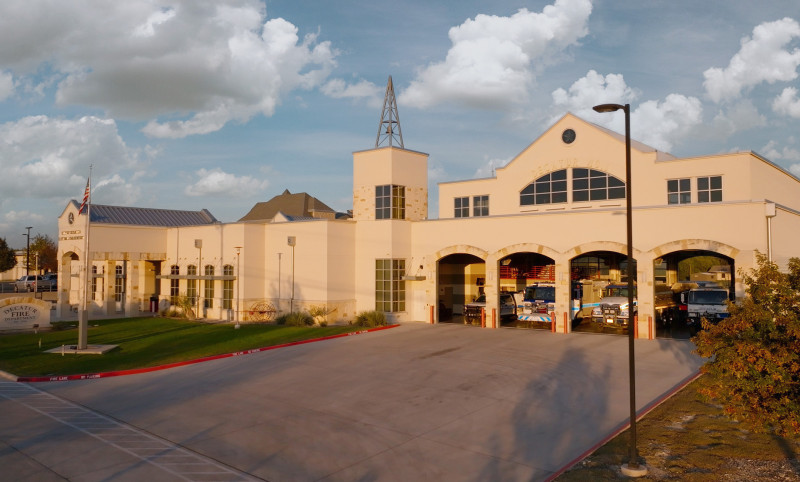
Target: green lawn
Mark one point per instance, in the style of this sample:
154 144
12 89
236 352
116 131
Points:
144 342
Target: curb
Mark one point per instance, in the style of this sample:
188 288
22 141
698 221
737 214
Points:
135 371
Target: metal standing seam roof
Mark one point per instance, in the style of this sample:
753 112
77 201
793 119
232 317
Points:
133 216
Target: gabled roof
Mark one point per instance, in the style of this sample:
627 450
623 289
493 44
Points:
103 214
299 205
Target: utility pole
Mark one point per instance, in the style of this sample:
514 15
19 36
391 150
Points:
28 252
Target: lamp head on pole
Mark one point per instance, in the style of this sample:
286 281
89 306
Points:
609 107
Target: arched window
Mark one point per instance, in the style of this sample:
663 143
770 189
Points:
548 189
174 284
191 283
208 298
593 185
227 288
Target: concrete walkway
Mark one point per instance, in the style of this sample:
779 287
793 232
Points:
417 402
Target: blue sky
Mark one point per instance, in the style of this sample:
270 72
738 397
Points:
220 104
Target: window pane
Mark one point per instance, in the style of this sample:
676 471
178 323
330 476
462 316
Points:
716 182
579 172
702 183
702 197
616 193
580 184
597 182
560 197
672 198
614 182
672 185
559 175
597 194
716 196
578 196
685 185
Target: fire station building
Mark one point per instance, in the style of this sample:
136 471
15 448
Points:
555 213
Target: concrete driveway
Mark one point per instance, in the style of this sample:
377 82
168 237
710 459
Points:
416 402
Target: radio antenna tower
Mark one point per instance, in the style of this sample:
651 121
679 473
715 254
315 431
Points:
389 126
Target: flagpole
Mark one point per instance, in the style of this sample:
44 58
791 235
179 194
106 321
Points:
83 314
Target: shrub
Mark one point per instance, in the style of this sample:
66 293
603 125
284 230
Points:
296 318
754 364
182 307
370 319
320 314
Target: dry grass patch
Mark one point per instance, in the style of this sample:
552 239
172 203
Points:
689 438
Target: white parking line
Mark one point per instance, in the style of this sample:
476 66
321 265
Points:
169 457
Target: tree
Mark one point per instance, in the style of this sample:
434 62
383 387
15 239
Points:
754 365
47 250
8 258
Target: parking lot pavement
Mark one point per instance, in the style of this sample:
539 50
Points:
415 402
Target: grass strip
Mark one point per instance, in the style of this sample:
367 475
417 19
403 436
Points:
143 343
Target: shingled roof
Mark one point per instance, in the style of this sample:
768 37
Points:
293 206
102 214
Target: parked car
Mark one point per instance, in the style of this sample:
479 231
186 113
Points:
49 282
26 283
472 311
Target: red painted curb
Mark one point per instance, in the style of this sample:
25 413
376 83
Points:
135 371
622 427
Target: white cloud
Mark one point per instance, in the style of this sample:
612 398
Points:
214 182
488 169
189 67
656 123
494 60
49 158
762 58
6 85
787 103
116 191
661 124
774 152
363 89
591 90
738 117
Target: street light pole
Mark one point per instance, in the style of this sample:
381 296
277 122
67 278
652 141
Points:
28 251
632 468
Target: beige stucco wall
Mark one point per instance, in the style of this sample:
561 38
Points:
390 165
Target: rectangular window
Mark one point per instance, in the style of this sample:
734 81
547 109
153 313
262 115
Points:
480 205
390 202
461 207
709 189
94 283
227 288
119 284
390 289
679 191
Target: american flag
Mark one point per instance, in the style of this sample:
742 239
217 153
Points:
85 196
